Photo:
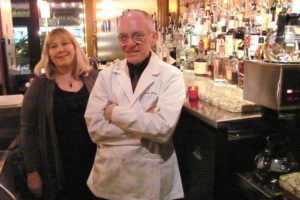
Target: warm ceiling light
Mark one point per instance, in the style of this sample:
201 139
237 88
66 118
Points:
106 9
45 9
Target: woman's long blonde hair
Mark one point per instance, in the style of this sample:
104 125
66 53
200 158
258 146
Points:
81 64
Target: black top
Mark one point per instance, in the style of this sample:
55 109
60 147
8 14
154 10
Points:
139 68
76 148
38 137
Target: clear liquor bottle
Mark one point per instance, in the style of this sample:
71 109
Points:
219 69
232 70
229 43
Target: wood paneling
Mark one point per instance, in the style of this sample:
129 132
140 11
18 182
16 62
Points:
163 13
90 29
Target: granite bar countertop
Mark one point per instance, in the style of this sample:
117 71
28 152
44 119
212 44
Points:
217 117
219 105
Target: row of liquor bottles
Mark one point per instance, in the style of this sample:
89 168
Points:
218 44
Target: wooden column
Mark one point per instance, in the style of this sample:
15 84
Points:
90 27
163 13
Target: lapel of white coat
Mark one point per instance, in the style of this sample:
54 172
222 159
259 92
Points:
124 82
147 78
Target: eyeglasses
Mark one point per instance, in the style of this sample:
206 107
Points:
136 37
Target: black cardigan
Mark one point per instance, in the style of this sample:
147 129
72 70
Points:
38 138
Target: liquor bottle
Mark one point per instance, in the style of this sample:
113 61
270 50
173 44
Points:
165 46
247 40
180 54
253 8
218 62
273 9
241 74
239 37
214 12
207 9
240 53
258 21
232 70
267 19
200 66
229 43
205 41
276 8
259 54
194 38
243 8
200 62
254 40
279 8
212 38
210 63
220 42
219 69
158 45
154 19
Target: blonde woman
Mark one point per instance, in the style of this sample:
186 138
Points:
57 150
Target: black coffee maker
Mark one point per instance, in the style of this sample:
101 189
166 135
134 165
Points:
276 87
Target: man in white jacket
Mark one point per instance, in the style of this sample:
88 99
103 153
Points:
132 113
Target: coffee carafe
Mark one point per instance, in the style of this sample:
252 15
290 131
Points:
276 159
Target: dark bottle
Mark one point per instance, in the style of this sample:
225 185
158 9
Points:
239 37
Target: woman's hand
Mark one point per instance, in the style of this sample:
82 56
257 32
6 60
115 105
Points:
34 183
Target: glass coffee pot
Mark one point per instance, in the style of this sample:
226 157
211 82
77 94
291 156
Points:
276 159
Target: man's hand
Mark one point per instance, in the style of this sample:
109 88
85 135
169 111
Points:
108 111
34 183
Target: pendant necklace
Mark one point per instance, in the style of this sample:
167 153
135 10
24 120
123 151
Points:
70 84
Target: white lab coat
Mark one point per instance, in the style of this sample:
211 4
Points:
135 156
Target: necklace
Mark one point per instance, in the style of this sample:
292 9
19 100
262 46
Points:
70 84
